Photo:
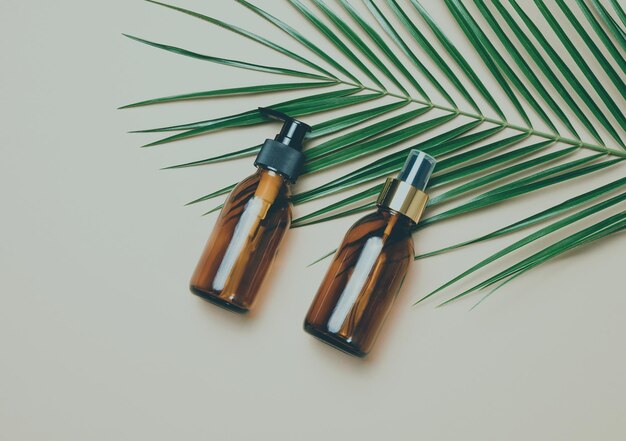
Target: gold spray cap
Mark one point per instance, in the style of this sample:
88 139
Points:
405 193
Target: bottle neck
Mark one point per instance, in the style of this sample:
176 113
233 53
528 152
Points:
271 185
395 216
273 174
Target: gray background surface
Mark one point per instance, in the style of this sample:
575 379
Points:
101 340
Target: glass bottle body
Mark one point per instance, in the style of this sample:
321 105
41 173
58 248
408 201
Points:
244 242
362 282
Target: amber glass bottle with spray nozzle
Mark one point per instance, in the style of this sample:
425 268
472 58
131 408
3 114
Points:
369 267
252 223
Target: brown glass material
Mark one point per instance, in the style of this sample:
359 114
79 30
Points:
362 282
244 242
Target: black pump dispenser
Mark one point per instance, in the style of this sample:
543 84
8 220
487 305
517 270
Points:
282 154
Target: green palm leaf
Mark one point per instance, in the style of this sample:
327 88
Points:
253 117
373 170
318 130
595 50
601 33
300 38
438 179
608 21
232 91
526 71
548 72
549 252
569 75
528 239
229 62
604 228
339 44
250 35
520 187
458 58
494 61
582 64
432 52
386 26
619 11
536 218
351 138
486 160
358 42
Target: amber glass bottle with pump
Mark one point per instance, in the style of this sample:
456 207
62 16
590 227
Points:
369 267
252 223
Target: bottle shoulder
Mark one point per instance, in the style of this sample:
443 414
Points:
246 187
385 219
394 228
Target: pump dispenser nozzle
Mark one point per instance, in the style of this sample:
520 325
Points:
293 131
282 154
405 194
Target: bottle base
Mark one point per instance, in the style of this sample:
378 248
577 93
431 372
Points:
217 300
334 341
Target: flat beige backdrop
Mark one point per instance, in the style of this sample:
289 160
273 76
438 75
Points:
101 340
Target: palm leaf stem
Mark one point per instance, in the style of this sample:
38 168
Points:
382 91
503 123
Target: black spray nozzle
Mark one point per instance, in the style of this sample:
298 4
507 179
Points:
293 131
417 169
